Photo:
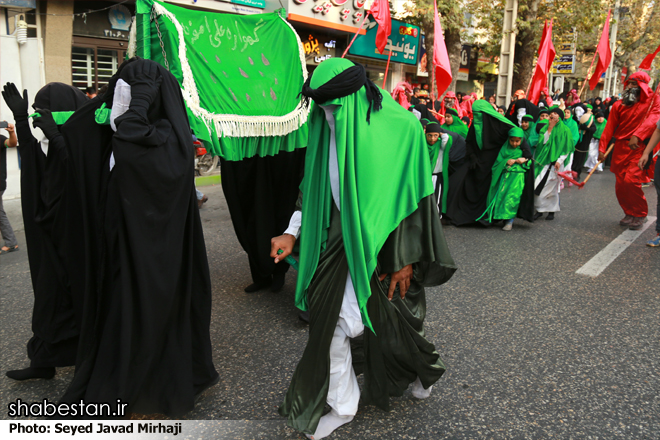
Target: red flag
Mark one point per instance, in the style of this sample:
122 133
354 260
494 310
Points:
646 64
440 57
604 54
547 54
380 10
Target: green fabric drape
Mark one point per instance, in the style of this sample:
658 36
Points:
393 141
241 94
560 143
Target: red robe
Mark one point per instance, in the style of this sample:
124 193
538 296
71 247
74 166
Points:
623 123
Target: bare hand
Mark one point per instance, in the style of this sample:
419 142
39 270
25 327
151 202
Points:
601 156
633 143
510 162
402 278
10 128
642 161
557 165
285 243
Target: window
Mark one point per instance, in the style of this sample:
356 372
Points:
94 61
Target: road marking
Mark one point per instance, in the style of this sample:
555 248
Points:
604 258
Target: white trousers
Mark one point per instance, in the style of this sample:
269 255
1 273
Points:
343 390
592 160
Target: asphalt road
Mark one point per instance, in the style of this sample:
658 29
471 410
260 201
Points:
533 349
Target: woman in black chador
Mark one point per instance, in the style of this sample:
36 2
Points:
145 335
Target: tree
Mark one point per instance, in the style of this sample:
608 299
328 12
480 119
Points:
452 19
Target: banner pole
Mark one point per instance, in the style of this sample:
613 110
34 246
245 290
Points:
387 68
356 34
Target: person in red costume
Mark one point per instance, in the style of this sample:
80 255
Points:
545 100
632 120
572 98
450 101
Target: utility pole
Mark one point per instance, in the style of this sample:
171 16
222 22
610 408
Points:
507 52
609 83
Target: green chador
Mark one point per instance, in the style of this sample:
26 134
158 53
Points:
531 135
508 181
457 125
359 222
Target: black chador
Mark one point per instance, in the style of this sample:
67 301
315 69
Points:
145 336
48 215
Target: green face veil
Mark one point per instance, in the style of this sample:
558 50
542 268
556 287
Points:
386 155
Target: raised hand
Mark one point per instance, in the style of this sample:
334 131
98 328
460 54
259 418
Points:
17 104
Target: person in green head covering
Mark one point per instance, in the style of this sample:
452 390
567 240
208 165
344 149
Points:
508 181
575 134
592 160
454 123
529 128
554 147
369 241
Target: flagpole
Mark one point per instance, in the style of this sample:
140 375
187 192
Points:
387 68
357 33
586 80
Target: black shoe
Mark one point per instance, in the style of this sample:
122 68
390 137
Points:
304 316
551 216
278 282
538 215
32 373
255 287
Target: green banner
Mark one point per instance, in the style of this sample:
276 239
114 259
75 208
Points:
240 76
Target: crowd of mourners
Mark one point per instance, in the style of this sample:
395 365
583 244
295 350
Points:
550 144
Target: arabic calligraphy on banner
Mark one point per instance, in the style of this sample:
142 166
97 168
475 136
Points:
403 42
317 49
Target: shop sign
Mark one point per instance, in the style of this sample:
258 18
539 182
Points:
488 65
254 3
119 17
403 43
318 49
564 62
421 66
335 14
464 68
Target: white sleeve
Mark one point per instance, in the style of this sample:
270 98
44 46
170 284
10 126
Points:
294 224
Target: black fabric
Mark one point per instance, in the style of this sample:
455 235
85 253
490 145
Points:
433 127
346 83
261 195
145 333
47 214
3 163
59 97
559 112
468 186
457 150
582 148
530 108
426 114
526 208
